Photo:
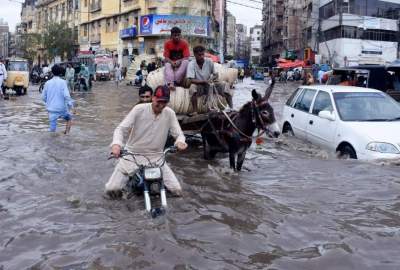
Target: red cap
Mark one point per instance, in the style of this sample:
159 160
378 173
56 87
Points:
162 93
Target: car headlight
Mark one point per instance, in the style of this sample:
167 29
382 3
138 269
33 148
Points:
383 148
152 173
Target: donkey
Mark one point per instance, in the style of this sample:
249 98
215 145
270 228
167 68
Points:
232 132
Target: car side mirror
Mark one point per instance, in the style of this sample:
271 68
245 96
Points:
327 115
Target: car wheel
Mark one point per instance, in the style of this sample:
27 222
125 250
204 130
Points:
287 129
347 152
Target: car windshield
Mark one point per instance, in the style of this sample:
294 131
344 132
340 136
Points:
366 106
102 68
18 66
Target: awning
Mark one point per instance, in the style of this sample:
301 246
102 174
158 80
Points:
214 58
290 64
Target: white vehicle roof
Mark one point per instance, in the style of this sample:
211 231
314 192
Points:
341 88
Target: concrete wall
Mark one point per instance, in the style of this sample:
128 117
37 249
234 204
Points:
352 49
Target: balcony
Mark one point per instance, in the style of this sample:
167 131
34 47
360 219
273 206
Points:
95 6
130 3
278 24
280 11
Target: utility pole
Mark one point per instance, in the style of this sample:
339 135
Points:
221 30
398 37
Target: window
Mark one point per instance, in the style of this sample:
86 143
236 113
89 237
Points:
303 102
358 33
108 25
322 103
85 30
291 99
327 11
85 3
115 24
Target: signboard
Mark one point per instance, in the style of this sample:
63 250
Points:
156 25
129 32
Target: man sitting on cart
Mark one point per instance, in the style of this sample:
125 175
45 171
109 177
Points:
202 75
176 54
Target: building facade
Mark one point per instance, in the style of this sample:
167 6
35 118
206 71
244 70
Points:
310 24
242 44
4 38
255 44
230 35
292 27
273 24
359 31
36 15
141 26
125 27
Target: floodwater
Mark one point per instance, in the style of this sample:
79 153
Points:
293 207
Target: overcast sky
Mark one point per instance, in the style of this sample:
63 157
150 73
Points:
245 15
10 12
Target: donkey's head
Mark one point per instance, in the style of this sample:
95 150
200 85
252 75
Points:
263 115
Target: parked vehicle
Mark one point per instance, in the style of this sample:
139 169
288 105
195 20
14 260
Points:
103 72
371 76
354 122
258 74
147 180
18 75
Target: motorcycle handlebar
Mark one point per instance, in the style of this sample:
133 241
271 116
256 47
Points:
123 152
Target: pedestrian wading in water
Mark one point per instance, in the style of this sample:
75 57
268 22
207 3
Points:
58 100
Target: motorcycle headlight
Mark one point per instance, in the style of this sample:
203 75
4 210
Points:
152 173
380 147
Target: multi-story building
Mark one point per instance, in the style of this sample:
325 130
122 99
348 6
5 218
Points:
141 26
255 44
273 24
36 15
230 35
310 24
4 38
292 26
242 45
359 31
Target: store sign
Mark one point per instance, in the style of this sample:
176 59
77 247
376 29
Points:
129 32
157 25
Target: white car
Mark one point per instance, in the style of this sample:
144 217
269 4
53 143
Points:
354 122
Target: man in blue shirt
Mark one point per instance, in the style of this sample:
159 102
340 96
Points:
58 101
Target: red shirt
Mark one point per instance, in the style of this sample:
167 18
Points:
176 51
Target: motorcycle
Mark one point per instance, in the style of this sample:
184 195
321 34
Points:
35 77
43 79
147 180
80 84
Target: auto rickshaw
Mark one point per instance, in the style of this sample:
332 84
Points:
17 75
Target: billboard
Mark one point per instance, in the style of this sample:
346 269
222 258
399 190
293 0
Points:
156 25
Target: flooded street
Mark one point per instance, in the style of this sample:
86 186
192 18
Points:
294 206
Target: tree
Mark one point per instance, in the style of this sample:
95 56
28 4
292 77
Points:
58 40
29 44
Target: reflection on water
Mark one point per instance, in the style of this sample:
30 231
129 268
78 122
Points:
293 207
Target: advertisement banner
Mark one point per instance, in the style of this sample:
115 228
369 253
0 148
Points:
156 25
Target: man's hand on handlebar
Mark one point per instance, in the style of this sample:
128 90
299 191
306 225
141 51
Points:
116 150
181 146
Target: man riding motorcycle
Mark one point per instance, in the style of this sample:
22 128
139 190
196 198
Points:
84 76
148 126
